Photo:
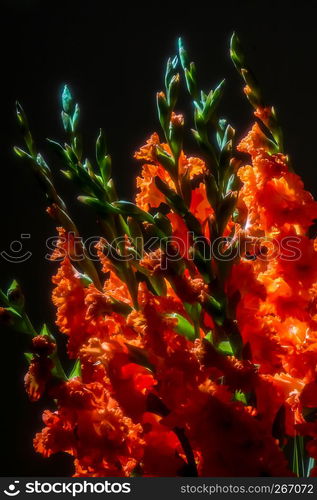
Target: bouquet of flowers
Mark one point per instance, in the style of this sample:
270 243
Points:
193 327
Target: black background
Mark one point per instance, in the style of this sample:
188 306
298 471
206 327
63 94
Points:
112 55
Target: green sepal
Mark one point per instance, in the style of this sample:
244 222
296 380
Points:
77 147
105 169
225 210
236 52
139 356
172 91
164 112
212 190
170 68
209 337
183 54
176 139
3 298
21 153
70 154
136 236
191 81
183 326
165 159
15 295
225 348
202 264
163 223
111 190
172 197
193 224
67 101
46 332
67 124
75 118
215 309
23 122
101 148
120 307
21 116
130 209
240 396
212 102
18 322
57 370
159 285
76 370
28 356
186 187
60 151
193 310
102 207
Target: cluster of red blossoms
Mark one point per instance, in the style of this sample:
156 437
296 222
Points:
208 369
